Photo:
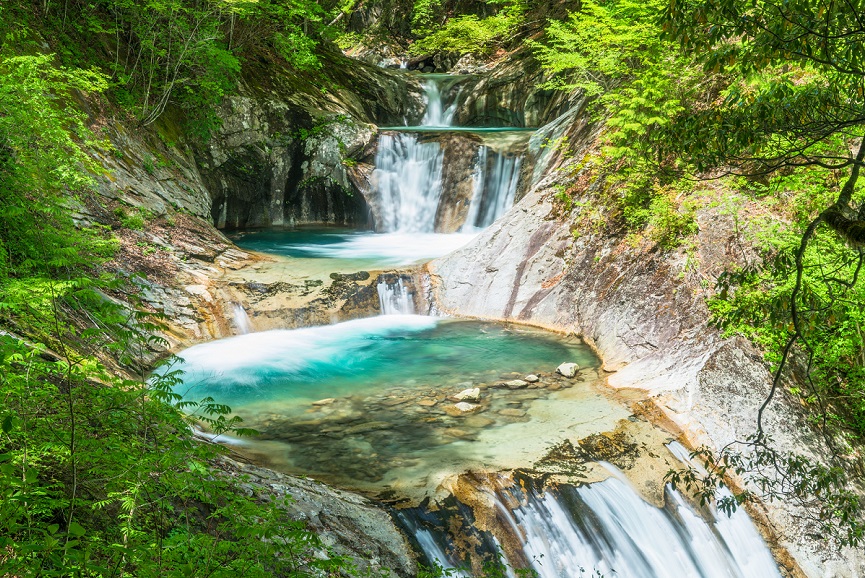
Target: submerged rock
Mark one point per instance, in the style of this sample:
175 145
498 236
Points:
516 384
461 408
568 369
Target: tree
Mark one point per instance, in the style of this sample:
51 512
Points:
802 63
795 104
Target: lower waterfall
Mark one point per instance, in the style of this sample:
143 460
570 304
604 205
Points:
602 529
496 177
395 298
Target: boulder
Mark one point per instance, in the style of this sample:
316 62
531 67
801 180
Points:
471 394
568 369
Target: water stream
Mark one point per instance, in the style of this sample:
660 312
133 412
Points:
401 405
605 528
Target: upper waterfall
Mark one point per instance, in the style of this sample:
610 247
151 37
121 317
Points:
411 192
439 114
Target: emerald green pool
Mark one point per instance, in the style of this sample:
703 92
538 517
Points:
368 404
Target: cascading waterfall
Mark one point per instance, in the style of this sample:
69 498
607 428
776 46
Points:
496 176
408 178
408 173
438 114
608 528
241 319
395 298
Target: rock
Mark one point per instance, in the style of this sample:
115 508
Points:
326 401
532 378
427 402
459 433
513 412
367 427
473 394
478 421
516 384
568 369
461 408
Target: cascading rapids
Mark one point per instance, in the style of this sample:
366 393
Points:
495 185
603 529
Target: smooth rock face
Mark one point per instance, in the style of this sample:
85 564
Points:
643 311
568 369
532 378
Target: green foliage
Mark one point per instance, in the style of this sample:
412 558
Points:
423 18
99 472
40 161
613 53
467 34
172 53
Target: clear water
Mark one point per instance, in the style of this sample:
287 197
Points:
363 404
367 356
347 251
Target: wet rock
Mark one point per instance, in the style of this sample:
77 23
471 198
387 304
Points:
459 433
461 408
512 412
473 394
367 427
516 384
427 402
478 421
532 378
569 370
322 402
359 276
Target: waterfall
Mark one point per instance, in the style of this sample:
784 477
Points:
394 298
408 179
607 528
437 114
496 176
241 319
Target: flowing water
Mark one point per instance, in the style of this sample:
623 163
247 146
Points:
604 528
341 250
371 404
365 403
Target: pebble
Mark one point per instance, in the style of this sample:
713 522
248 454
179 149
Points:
513 412
532 378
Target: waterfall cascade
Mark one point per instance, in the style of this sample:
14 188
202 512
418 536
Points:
605 529
241 319
408 170
496 177
395 298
